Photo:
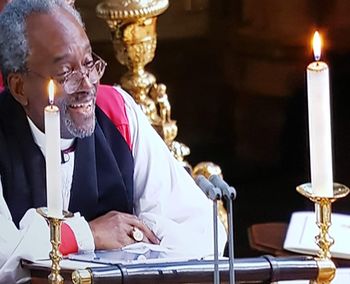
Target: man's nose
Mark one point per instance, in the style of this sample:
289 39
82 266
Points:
85 84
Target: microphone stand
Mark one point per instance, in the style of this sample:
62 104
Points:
229 194
214 194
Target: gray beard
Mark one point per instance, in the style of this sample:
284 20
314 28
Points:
79 132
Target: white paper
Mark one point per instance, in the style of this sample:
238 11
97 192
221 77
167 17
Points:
302 231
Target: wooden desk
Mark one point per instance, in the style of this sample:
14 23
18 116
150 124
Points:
269 238
39 274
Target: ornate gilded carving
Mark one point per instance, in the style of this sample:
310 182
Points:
130 10
133 28
159 95
134 45
164 125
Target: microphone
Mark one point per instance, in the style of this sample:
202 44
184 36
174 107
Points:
214 194
211 191
230 194
228 191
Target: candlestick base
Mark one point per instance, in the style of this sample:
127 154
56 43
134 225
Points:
323 211
55 239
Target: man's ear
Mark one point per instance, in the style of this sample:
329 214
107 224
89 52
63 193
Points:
15 84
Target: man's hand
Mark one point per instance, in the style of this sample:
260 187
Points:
114 230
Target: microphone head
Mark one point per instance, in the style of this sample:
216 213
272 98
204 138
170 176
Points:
208 188
200 180
218 181
227 190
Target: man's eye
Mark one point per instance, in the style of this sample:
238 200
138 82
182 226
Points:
89 63
63 74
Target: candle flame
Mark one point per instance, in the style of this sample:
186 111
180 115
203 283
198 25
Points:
317 43
51 89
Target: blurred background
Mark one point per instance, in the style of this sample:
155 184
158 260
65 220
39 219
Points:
235 77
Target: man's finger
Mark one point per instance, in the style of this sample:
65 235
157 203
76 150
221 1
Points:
149 234
146 231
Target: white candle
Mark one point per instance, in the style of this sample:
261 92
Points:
319 124
53 156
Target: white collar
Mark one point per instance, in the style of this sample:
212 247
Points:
39 138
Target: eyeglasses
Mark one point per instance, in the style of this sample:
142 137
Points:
71 80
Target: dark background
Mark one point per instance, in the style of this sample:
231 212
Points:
235 75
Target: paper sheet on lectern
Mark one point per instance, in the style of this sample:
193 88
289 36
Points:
134 253
302 230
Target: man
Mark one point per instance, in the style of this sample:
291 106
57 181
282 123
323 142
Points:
118 177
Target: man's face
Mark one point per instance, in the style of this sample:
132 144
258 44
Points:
58 45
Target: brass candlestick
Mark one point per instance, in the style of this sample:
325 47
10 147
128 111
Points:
55 239
323 210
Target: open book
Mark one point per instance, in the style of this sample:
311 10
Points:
302 230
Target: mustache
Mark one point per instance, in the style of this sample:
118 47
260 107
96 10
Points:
80 97
82 94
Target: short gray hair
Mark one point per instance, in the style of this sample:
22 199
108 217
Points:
14 48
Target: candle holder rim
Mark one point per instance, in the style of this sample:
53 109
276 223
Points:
43 212
339 191
119 11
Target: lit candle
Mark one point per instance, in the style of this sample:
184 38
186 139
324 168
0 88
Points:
319 124
52 156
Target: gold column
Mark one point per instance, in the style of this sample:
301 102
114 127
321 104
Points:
133 30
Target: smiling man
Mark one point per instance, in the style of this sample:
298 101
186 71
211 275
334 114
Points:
67 59
118 176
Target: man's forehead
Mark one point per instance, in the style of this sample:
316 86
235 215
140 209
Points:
67 53
55 32
58 21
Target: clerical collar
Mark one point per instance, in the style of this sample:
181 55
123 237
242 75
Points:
39 138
